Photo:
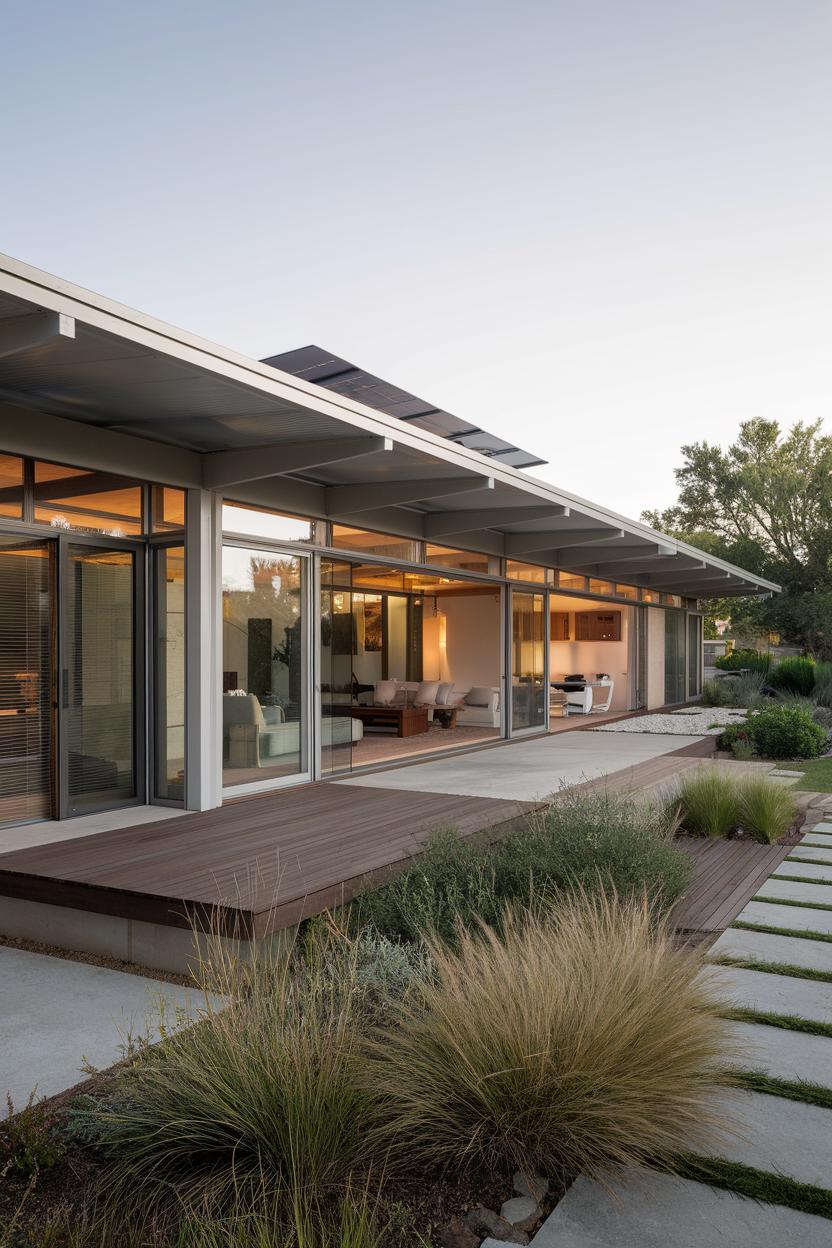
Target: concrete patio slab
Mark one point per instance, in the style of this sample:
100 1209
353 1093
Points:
649 1210
797 918
806 870
51 831
824 826
792 890
813 955
793 1055
784 1137
777 994
59 1015
817 841
528 770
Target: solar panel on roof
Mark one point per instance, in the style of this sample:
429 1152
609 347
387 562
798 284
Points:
334 373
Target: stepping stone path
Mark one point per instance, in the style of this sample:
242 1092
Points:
788 1138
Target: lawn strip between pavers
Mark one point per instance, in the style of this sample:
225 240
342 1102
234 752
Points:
789 1022
744 926
790 1089
772 1189
791 901
810 862
772 968
801 879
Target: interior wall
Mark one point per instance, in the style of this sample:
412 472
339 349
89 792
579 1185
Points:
471 651
655 657
589 657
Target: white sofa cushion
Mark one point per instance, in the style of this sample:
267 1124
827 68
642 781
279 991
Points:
426 692
479 695
384 692
444 692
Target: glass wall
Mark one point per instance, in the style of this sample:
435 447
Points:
528 661
674 657
98 717
86 500
169 672
694 655
26 679
265 665
337 643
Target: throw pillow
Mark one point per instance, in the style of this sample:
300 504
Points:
425 695
384 691
479 695
443 693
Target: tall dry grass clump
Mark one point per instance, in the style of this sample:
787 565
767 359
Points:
577 1040
261 1090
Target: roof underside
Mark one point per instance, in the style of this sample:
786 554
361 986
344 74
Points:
264 435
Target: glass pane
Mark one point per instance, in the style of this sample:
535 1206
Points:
261 522
567 580
694 655
344 537
11 486
626 591
98 693
649 595
26 665
170 673
462 560
336 667
600 587
168 509
674 657
528 669
517 571
264 663
91 502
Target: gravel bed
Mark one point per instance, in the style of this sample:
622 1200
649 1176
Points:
705 721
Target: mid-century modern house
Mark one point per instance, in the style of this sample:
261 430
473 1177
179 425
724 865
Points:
222 576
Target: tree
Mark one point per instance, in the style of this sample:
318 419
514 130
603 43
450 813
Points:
765 504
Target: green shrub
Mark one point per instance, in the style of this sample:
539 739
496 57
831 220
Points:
582 840
578 1040
794 675
784 731
746 690
732 734
767 810
822 715
822 692
707 802
29 1142
716 692
737 659
743 750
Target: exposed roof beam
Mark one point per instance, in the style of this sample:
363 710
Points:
351 499
687 575
648 567
575 556
224 468
525 543
21 333
447 523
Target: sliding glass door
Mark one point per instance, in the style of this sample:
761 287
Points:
674 657
336 665
528 661
101 709
266 670
27 671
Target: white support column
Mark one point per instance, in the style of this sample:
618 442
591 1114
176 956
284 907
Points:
203 623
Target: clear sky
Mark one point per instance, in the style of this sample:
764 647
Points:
601 229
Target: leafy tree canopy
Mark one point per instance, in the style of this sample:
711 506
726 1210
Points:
765 504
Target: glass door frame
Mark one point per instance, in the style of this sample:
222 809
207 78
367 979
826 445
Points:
310 737
508 699
101 541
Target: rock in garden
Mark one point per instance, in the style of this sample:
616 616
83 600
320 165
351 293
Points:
484 1221
527 1183
522 1212
457 1235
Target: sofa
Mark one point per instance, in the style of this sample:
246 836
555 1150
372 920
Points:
478 705
256 736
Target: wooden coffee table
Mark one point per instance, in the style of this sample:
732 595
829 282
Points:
408 721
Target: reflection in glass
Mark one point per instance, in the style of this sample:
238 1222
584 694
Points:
168 509
338 729
261 522
264 665
87 501
170 673
11 486
98 694
528 668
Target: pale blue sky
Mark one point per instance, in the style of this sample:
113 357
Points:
601 229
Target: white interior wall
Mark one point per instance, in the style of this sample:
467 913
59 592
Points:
655 657
472 640
590 657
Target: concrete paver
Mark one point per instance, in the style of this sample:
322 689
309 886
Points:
792 1055
813 955
649 1210
798 918
777 994
58 1015
806 871
811 894
784 1137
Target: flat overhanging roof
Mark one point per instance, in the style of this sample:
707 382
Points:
138 392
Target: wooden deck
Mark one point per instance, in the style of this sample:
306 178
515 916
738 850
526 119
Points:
250 867
726 875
